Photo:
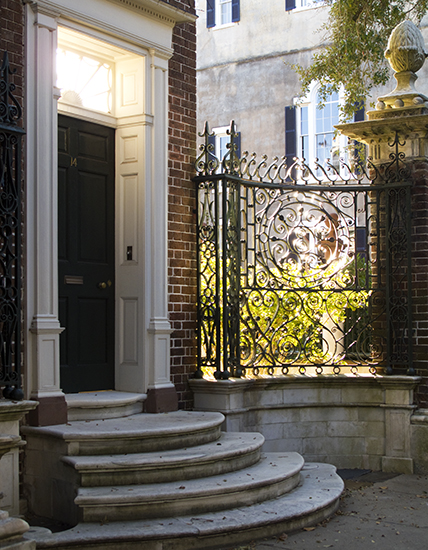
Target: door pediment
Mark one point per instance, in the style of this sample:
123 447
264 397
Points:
144 23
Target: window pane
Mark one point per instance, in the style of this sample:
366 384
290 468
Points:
225 11
223 141
326 118
324 144
84 81
305 146
304 123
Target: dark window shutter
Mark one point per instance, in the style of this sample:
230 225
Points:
359 114
290 5
210 13
237 141
235 10
211 141
290 134
359 151
360 239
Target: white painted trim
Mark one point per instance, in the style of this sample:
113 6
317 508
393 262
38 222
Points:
86 114
144 279
112 20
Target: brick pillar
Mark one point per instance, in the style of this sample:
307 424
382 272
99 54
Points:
181 210
404 114
419 240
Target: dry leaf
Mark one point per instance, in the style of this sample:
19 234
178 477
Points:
284 536
308 528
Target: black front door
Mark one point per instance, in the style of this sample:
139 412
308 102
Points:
86 254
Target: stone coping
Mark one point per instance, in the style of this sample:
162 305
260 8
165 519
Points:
420 417
15 410
240 384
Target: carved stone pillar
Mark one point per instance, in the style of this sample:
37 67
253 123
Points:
401 117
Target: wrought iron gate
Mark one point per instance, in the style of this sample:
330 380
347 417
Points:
10 236
302 268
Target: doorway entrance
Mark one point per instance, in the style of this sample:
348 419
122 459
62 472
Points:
86 254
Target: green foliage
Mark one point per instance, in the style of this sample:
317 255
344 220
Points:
294 318
286 313
356 36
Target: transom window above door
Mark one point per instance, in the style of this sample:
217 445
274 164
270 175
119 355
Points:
84 81
98 80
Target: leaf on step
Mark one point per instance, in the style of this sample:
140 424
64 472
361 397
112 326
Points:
422 496
182 487
383 488
284 536
308 528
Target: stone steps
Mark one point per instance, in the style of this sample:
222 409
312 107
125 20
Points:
164 481
315 499
132 434
231 452
274 475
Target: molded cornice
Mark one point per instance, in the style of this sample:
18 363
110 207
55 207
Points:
155 9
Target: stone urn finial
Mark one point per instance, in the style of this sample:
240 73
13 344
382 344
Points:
406 48
406 55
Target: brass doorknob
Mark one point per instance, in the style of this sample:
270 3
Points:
103 285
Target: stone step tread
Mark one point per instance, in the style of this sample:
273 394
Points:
136 426
102 399
314 499
103 404
271 469
228 446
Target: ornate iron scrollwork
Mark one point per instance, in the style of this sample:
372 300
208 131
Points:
303 268
10 236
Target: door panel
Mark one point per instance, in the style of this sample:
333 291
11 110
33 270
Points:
86 254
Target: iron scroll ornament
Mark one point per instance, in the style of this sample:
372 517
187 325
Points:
10 235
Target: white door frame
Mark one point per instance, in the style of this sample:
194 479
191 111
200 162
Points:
142 326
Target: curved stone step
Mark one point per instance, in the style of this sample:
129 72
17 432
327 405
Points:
132 434
103 404
231 452
273 475
316 498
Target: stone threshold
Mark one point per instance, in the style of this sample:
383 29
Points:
103 404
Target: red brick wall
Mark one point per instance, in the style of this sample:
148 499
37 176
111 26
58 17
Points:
12 40
419 242
182 205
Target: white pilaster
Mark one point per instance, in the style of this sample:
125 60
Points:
159 327
41 204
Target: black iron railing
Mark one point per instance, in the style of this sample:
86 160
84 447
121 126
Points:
302 268
10 236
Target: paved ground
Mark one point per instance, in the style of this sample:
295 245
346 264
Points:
376 511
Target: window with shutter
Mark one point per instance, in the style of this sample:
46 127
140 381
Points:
302 4
220 141
222 12
211 13
315 132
